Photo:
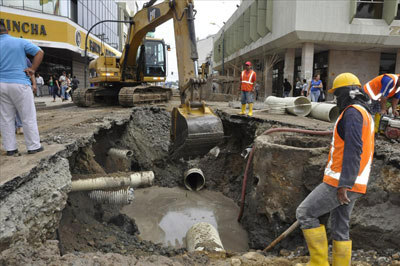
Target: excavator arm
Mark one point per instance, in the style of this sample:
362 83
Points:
195 128
152 16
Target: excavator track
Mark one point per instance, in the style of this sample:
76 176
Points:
83 97
131 96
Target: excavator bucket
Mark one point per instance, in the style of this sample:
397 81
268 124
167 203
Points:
195 130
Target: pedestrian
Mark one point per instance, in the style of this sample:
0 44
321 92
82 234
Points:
247 80
16 92
257 90
305 88
382 88
287 87
315 88
50 85
56 88
346 175
63 83
74 84
39 84
18 122
298 88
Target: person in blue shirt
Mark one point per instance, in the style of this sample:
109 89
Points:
16 93
315 88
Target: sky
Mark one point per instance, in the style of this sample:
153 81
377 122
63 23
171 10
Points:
217 11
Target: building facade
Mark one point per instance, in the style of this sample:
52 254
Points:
299 39
60 27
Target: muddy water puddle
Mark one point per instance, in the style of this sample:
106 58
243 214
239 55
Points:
164 215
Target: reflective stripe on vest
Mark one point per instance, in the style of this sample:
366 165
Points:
334 167
246 83
251 76
374 87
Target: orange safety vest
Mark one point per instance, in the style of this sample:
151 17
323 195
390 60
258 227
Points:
373 88
335 160
247 80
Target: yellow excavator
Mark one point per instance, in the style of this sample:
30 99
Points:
130 80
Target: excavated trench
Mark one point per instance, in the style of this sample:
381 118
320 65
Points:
286 168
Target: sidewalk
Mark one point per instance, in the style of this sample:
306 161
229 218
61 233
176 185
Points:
47 102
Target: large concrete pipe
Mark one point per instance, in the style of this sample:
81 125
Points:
203 236
194 179
120 153
134 180
325 111
300 106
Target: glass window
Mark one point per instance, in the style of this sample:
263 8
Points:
80 13
387 64
74 11
63 11
33 5
398 12
154 53
13 3
48 7
369 9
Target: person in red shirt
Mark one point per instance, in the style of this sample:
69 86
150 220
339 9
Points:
247 82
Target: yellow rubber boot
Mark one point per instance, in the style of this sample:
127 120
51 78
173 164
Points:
250 109
243 112
317 243
341 253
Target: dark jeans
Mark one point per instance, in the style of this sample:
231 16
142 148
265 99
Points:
55 92
321 200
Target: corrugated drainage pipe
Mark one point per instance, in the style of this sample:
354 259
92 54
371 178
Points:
269 131
134 180
325 111
203 236
300 106
122 197
120 153
194 179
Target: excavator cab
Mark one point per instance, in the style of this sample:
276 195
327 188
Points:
151 61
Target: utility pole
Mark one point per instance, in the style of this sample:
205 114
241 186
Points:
223 52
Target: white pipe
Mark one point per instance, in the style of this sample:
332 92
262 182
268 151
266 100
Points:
134 180
300 106
203 236
194 179
325 111
125 154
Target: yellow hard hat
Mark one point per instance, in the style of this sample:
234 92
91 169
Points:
343 80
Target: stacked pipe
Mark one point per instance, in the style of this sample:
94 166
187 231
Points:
302 106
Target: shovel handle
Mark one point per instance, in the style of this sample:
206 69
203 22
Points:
282 236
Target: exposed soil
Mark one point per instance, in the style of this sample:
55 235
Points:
88 230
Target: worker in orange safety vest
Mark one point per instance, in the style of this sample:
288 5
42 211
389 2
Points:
345 178
247 85
380 89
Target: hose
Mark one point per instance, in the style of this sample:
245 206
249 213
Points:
267 132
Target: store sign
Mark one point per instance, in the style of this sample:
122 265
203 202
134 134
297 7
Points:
25 27
78 38
94 47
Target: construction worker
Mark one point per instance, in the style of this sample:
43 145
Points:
380 89
247 81
345 178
